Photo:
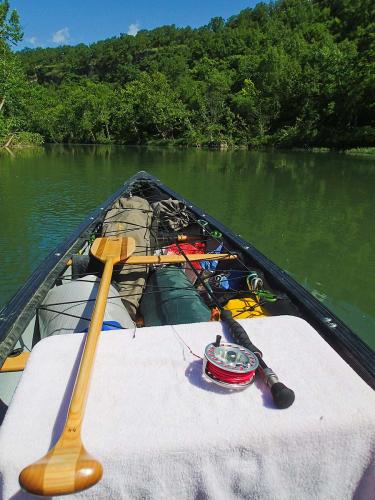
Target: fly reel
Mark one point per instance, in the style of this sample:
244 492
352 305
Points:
229 365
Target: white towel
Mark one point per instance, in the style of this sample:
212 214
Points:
161 431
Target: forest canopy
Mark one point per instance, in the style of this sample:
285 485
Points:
286 73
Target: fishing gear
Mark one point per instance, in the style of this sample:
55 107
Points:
229 365
283 397
255 285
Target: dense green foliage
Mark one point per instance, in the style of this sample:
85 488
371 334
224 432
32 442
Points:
289 73
15 92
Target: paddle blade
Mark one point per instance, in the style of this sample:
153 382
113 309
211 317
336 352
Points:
116 248
60 472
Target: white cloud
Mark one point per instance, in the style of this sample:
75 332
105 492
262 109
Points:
32 40
133 29
61 36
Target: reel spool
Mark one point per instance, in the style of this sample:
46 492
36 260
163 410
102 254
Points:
229 365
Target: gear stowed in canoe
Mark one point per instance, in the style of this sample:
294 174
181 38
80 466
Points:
145 261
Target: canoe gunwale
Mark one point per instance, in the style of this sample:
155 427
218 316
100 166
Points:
333 330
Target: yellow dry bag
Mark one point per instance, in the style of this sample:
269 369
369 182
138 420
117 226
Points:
245 308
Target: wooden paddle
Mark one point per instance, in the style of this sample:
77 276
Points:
67 467
177 259
15 363
172 258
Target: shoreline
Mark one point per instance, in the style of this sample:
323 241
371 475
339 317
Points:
357 151
362 151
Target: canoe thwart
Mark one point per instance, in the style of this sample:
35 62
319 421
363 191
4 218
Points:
177 259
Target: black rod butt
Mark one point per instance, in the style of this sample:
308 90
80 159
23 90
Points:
217 341
283 397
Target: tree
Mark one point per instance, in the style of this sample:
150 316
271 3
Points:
148 108
216 24
10 33
10 30
12 83
75 112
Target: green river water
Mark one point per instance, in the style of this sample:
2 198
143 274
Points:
311 213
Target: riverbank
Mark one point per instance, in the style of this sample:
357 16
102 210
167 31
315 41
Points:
361 151
26 140
20 140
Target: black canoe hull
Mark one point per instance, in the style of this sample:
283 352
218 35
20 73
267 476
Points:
16 315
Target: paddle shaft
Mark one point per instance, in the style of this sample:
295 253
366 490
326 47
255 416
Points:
283 397
78 401
171 258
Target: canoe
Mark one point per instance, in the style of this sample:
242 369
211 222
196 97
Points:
17 315
185 272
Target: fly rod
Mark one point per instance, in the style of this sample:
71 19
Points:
283 397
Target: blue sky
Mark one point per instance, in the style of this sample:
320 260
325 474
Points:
49 23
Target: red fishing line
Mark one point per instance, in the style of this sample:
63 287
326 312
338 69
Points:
229 377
